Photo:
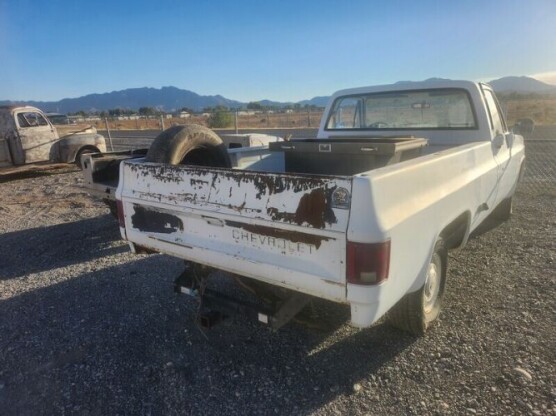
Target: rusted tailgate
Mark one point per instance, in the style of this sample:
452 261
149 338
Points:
279 228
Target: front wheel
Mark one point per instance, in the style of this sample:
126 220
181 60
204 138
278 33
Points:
416 311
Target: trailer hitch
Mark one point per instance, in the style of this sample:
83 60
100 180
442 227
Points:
215 306
286 311
192 282
192 279
210 318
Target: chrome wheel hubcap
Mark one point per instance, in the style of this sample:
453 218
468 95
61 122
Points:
432 287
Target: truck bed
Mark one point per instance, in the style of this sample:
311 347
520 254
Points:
288 227
307 156
101 171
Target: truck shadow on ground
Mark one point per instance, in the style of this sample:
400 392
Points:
118 340
51 247
486 226
34 171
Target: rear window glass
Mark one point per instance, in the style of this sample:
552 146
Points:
410 110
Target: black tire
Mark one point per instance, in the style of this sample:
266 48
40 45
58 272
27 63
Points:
416 311
83 151
503 211
189 145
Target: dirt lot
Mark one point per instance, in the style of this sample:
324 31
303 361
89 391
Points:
541 110
88 328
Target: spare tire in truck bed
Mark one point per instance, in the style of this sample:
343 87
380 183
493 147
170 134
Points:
189 145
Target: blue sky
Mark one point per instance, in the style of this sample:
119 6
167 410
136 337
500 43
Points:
252 50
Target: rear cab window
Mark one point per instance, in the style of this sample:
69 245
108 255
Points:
441 109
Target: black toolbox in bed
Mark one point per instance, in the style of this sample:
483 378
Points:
346 156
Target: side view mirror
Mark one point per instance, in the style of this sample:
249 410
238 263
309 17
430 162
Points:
510 137
498 140
524 126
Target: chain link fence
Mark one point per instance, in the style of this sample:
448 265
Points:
237 120
540 146
540 162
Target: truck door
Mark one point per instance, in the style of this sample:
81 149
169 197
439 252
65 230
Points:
36 135
500 148
5 159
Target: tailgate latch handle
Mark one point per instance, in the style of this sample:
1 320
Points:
325 148
214 221
369 149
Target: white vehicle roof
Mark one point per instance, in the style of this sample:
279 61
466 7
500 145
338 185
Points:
435 137
409 85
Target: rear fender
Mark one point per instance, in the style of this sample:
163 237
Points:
455 234
422 274
69 146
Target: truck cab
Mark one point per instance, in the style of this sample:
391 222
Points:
27 136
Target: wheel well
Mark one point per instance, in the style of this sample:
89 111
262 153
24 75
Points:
93 149
454 234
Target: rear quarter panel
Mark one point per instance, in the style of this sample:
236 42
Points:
410 204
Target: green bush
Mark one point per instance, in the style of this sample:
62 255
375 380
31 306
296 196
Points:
220 119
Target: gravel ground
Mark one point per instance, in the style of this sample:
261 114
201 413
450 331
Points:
88 328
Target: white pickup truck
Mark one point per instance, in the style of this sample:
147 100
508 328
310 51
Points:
363 215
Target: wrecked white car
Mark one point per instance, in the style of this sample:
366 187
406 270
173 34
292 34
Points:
28 136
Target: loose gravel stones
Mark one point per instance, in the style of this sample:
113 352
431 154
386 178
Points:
88 328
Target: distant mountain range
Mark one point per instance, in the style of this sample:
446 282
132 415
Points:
522 85
165 98
172 98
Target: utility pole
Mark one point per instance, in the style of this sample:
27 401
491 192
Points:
109 135
235 120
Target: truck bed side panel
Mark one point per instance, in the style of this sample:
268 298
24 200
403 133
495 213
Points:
412 203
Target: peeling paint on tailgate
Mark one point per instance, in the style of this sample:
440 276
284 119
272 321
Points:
276 227
155 221
294 199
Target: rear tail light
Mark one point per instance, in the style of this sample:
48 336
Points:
368 264
120 208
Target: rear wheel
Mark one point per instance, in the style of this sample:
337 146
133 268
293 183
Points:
416 311
84 151
191 145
